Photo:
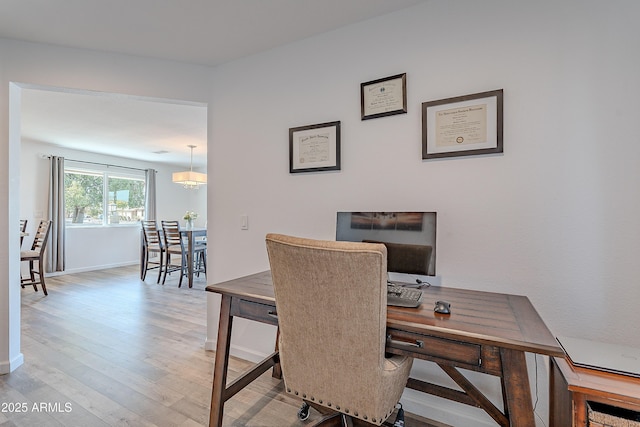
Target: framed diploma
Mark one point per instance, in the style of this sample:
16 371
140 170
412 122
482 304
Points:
314 148
462 126
383 97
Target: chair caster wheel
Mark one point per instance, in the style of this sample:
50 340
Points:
303 412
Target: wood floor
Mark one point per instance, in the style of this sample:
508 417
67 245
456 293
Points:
106 349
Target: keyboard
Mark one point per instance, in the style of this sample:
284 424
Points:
403 297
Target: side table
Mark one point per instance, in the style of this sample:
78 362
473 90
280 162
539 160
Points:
572 387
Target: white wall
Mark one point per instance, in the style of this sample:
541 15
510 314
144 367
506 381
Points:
45 65
118 245
554 218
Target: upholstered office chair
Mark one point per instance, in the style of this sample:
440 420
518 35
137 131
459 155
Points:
152 246
331 306
174 245
37 254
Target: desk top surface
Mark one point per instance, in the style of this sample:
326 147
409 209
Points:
503 320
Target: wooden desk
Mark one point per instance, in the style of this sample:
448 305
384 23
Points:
486 332
191 234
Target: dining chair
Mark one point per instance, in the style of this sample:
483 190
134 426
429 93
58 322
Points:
23 230
36 254
331 304
200 253
174 245
153 247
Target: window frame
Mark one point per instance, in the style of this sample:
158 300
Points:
106 172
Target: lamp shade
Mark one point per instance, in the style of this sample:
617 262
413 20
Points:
190 178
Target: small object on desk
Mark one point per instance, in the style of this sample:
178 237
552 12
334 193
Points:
403 297
442 307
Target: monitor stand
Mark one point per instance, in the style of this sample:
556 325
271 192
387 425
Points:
413 279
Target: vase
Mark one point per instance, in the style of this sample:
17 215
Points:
189 224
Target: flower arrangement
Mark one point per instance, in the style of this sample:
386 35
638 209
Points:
190 216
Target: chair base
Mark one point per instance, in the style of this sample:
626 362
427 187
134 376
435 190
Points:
31 281
335 420
147 264
200 265
169 267
338 419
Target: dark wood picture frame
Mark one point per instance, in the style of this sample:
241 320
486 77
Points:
383 97
466 125
314 148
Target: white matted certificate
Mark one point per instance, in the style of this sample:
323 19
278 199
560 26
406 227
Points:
314 148
465 125
383 97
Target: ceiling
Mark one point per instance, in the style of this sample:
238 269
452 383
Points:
148 129
206 32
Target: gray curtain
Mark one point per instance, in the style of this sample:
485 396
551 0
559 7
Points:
55 248
150 194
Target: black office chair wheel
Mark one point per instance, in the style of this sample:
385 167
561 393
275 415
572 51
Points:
303 412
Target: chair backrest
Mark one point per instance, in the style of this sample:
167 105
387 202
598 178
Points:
331 304
23 229
150 233
41 236
171 234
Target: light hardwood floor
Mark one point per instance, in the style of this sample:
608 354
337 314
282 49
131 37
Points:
106 349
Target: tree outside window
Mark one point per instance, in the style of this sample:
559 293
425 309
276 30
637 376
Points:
83 197
101 198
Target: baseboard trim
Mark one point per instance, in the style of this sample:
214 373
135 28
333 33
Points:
11 365
92 268
210 345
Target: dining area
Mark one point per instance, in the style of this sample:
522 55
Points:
170 248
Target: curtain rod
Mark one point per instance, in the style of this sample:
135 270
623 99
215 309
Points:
97 163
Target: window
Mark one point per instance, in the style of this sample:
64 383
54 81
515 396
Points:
102 198
126 200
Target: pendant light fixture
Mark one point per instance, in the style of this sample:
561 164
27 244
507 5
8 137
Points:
190 179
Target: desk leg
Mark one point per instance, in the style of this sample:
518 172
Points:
221 363
517 393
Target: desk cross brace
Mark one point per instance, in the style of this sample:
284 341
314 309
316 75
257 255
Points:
470 396
512 371
250 375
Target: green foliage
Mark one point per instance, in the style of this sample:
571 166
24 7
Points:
135 189
83 195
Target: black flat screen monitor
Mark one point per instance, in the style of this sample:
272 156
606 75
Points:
410 237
